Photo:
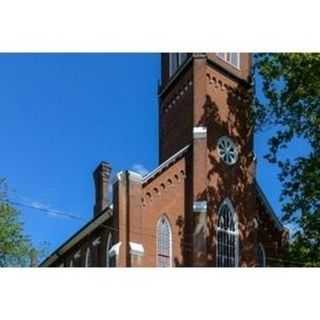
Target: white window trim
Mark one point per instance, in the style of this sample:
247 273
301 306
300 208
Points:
225 59
264 258
228 203
88 256
108 256
170 240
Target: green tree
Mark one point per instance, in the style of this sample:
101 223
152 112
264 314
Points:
290 102
15 247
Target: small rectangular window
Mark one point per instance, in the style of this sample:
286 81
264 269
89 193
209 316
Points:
175 61
235 59
221 55
182 58
232 58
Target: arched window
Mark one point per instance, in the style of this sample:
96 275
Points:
261 256
88 262
227 235
164 243
108 247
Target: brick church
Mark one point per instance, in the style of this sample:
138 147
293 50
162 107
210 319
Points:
202 206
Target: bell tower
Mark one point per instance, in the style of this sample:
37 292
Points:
204 101
185 89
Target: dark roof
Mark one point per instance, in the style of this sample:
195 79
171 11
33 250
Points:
84 231
107 213
267 204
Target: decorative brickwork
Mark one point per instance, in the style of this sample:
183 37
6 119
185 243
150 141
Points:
202 192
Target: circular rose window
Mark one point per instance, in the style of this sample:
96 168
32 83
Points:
227 150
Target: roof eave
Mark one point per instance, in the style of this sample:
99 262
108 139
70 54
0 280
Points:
83 232
269 208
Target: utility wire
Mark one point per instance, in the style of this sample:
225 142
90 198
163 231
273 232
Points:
47 210
187 246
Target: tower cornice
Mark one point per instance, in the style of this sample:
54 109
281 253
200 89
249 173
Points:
163 89
245 83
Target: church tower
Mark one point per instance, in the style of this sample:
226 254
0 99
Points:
202 205
204 101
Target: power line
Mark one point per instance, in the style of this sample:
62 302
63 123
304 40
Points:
74 217
47 210
109 228
187 246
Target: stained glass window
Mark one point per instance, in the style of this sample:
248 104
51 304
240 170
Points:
227 236
164 243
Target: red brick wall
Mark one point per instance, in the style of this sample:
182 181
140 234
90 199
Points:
98 253
165 195
176 115
208 93
245 65
225 108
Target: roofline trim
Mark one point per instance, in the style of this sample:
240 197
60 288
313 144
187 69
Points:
269 208
176 75
84 231
165 164
228 73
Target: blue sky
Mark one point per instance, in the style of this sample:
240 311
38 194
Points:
61 114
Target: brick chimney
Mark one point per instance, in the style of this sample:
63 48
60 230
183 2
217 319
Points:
101 180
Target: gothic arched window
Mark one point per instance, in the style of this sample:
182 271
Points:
261 256
227 235
108 247
88 262
164 243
